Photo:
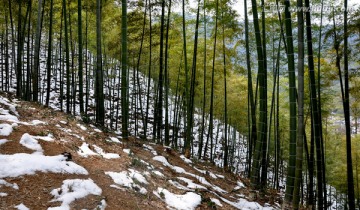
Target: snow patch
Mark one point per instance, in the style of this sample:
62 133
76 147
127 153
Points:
105 155
129 179
38 122
5 129
29 142
85 151
82 127
3 141
27 164
188 201
7 184
185 159
21 207
73 189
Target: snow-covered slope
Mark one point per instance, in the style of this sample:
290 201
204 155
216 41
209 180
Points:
49 160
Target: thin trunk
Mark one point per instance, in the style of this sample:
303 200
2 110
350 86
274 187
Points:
226 148
211 123
290 179
187 95
167 138
315 110
80 70
201 140
253 134
190 111
258 159
124 76
48 64
99 87
300 128
37 52
346 104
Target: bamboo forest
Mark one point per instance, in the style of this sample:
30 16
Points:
265 90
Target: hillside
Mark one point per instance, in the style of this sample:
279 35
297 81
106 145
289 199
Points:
102 171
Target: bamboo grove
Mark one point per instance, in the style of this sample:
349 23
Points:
269 92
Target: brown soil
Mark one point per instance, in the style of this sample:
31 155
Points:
34 190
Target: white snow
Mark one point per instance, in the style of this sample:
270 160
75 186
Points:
163 160
11 106
187 201
29 142
49 137
136 175
27 164
129 179
179 186
105 155
185 159
38 122
114 139
150 148
246 205
7 184
3 141
3 194
82 127
158 173
216 201
5 129
127 151
22 207
191 184
102 205
97 130
85 151
73 189
239 185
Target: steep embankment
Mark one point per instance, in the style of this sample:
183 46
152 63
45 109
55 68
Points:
103 171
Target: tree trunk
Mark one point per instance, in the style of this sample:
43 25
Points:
99 87
48 64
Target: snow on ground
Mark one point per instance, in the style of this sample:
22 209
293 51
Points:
27 164
129 179
127 151
6 116
21 207
82 127
187 201
85 151
11 106
114 139
179 186
191 184
246 205
105 155
150 148
239 185
216 201
185 159
7 184
38 122
158 173
178 169
3 141
5 129
29 142
73 189
49 138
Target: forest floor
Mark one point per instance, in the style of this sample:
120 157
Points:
103 171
